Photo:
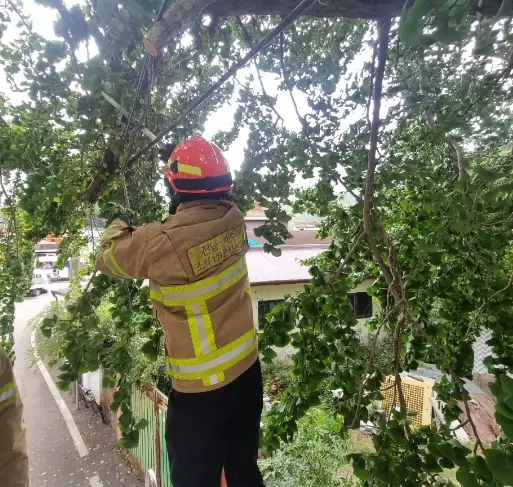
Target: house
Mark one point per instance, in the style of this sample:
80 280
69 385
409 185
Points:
273 278
255 217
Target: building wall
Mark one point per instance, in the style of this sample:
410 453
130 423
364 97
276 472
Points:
252 224
279 291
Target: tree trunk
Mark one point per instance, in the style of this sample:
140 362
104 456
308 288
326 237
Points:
181 12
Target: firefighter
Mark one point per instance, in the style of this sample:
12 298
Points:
195 261
14 465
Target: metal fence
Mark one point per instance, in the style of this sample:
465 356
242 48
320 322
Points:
151 452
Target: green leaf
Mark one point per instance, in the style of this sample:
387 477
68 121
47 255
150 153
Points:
410 29
506 424
467 479
482 468
63 385
48 322
275 251
499 465
504 410
142 423
46 331
508 401
461 227
429 247
269 353
150 350
507 384
360 470
484 47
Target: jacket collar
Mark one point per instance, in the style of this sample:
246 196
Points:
206 203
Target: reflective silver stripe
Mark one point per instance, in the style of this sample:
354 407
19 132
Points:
197 289
213 380
4 396
200 325
217 362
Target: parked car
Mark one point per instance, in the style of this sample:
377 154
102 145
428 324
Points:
37 287
36 291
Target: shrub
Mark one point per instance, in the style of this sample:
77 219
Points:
313 458
277 377
144 371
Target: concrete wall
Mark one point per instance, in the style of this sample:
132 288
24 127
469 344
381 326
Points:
252 224
271 293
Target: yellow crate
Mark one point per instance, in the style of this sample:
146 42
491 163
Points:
416 395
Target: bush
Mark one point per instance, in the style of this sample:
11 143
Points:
277 377
313 458
144 371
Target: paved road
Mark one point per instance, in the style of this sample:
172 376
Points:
54 458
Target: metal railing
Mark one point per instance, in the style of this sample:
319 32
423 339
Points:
151 452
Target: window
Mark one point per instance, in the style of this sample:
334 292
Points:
362 305
265 307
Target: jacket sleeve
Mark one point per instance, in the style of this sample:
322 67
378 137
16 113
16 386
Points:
14 464
123 251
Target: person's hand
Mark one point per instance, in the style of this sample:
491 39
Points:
165 152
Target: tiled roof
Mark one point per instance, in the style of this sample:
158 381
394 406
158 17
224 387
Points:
264 269
300 237
256 212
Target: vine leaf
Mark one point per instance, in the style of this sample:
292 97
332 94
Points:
467 478
411 26
500 465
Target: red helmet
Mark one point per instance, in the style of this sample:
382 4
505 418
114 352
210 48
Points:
198 166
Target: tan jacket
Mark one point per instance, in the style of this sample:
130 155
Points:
14 465
196 264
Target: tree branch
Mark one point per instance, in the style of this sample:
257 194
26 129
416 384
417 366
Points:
343 265
461 425
20 15
249 43
383 33
391 271
450 141
369 363
373 72
287 81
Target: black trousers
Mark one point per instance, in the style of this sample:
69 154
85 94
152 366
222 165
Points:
211 430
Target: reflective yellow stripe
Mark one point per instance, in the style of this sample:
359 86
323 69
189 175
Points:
187 169
112 265
225 358
206 288
209 363
247 287
110 233
219 353
8 394
7 387
8 402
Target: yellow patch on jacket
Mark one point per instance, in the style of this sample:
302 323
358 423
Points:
216 250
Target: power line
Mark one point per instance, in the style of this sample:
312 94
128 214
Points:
301 9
